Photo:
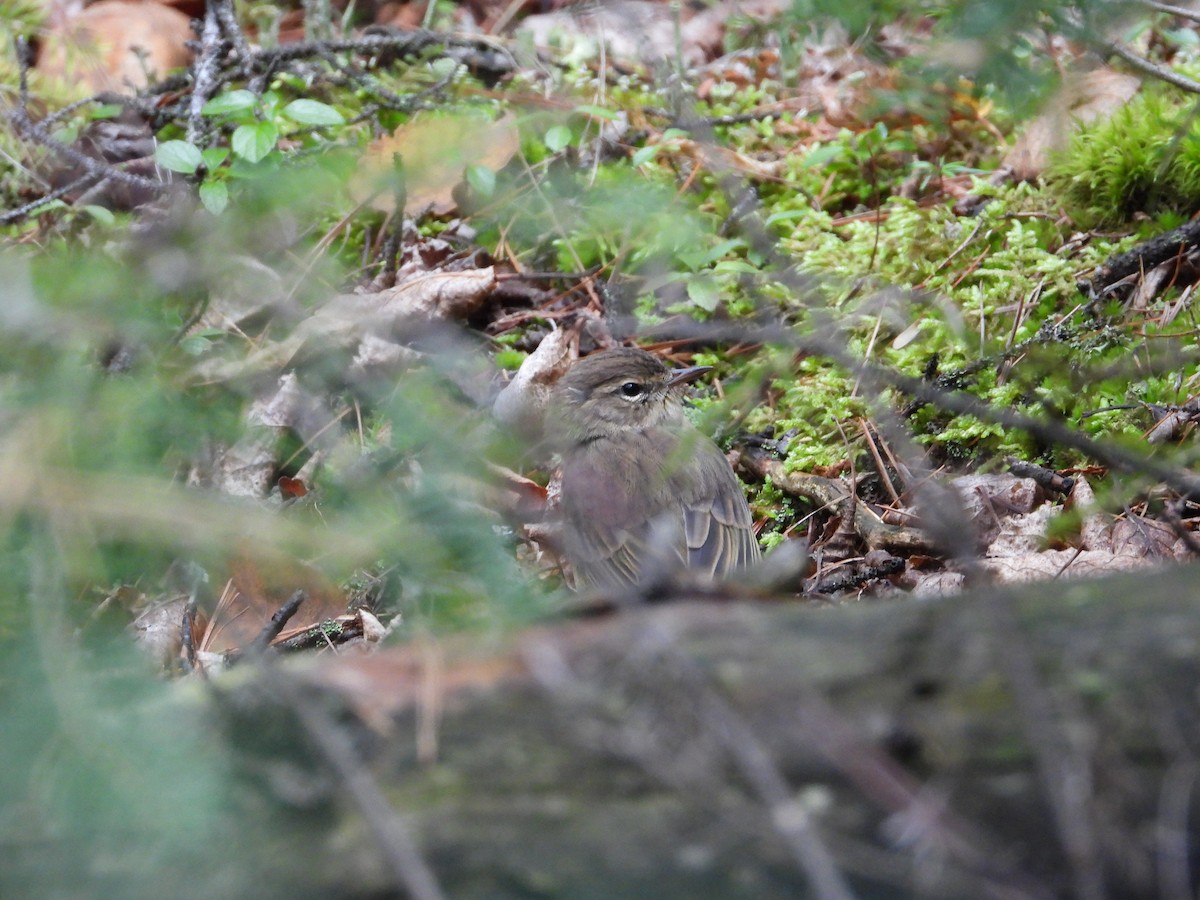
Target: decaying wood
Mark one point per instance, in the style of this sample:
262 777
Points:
1009 744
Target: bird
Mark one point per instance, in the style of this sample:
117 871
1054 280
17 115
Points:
643 492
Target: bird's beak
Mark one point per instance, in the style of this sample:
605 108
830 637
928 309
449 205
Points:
686 376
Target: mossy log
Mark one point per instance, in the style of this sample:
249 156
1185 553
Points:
996 744
1038 742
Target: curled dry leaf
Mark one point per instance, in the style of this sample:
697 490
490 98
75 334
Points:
522 405
437 295
245 469
512 495
114 45
157 628
376 355
434 150
245 290
629 30
293 408
1095 532
1099 93
347 320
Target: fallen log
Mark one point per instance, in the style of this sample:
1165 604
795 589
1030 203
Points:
1015 744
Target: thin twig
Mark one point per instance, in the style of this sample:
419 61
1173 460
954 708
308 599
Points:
205 72
1180 11
1160 72
391 833
86 180
231 30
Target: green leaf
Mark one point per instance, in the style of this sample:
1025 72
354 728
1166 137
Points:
557 138
818 156
214 156
193 345
229 102
253 142
48 207
106 111
735 266
178 156
787 215
699 257
482 180
643 155
215 196
269 103
66 134
100 214
313 112
704 293
597 112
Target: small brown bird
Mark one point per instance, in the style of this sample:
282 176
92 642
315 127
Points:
644 492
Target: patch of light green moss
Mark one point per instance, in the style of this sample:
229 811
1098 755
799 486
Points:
1145 158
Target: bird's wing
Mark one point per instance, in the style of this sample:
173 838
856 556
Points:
625 523
718 525
624 556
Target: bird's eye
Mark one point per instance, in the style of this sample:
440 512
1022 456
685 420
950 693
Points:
631 389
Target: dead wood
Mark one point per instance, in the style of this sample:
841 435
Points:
1008 744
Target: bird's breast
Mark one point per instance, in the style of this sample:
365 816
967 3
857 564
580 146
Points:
617 482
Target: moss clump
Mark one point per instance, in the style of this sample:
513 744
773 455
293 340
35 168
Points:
1143 159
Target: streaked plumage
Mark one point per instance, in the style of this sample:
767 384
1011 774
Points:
642 489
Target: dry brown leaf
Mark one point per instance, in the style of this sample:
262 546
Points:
435 149
348 320
1143 538
1052 564
438 295
630 30
380 684
1099 93
157 628
1000 494
1022 534
257 588
522 405
703 35
939 584
721 159
244 469
116 44
1095 532
993 501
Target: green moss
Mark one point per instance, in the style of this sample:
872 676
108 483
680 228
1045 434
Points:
1145 158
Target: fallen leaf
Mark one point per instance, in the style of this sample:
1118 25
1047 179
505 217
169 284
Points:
292 487
1099 93
256 589
1054 564
435 150
114 45
522 405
